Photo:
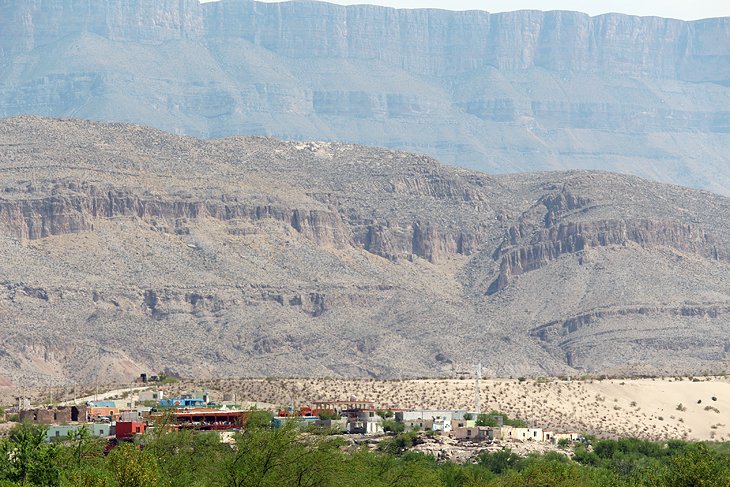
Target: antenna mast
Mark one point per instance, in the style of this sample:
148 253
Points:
477 398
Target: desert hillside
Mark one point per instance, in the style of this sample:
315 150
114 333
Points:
125 249
658 409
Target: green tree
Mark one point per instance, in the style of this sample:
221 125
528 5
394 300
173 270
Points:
376 470
188 458
697 465
563 443
273 457
132 467
328 415
164 378
88 475
500 461
398 445
80 460
26 457
585 457
486 420
82 444
258 419
517 423
393 426
556 474
384 413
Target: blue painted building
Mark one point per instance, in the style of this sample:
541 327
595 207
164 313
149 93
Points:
183 402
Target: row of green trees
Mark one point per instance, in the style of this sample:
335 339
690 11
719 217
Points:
290 457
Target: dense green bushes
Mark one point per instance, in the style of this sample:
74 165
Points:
288 456
676 463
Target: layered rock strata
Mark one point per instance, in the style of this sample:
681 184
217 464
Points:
125 249
516 91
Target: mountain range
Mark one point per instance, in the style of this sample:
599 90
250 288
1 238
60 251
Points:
508 92
125 249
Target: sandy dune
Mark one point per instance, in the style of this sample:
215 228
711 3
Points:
647 408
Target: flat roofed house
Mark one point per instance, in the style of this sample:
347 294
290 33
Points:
425 414
182 402
54 415
126 430
463 423
62 432
340 406
364 421
151 396
535 434
475 433
520 434
103 412
570 436
418 424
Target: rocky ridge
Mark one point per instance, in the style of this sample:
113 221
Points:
126 249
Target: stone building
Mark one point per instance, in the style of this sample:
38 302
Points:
54 414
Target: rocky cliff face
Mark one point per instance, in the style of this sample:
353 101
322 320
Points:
125 249
429 42
528 247
442 43
74 207
499 92
34 24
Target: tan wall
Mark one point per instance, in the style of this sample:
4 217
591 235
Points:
95 412
463 423
475 433
464 433
422 424
58 415
556 437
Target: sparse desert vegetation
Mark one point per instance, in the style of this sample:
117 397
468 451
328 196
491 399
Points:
256 257
643 408
650 408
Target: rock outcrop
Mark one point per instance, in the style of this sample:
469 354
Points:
73 208
125 249
538 239
60 214
571 238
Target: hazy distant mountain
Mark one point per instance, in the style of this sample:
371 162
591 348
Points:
125 249
505 92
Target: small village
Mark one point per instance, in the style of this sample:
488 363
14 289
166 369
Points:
446 434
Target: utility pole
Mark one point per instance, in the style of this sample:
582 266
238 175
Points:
477 398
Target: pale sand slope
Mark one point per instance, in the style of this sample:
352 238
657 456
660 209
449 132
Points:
645 408
611 407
